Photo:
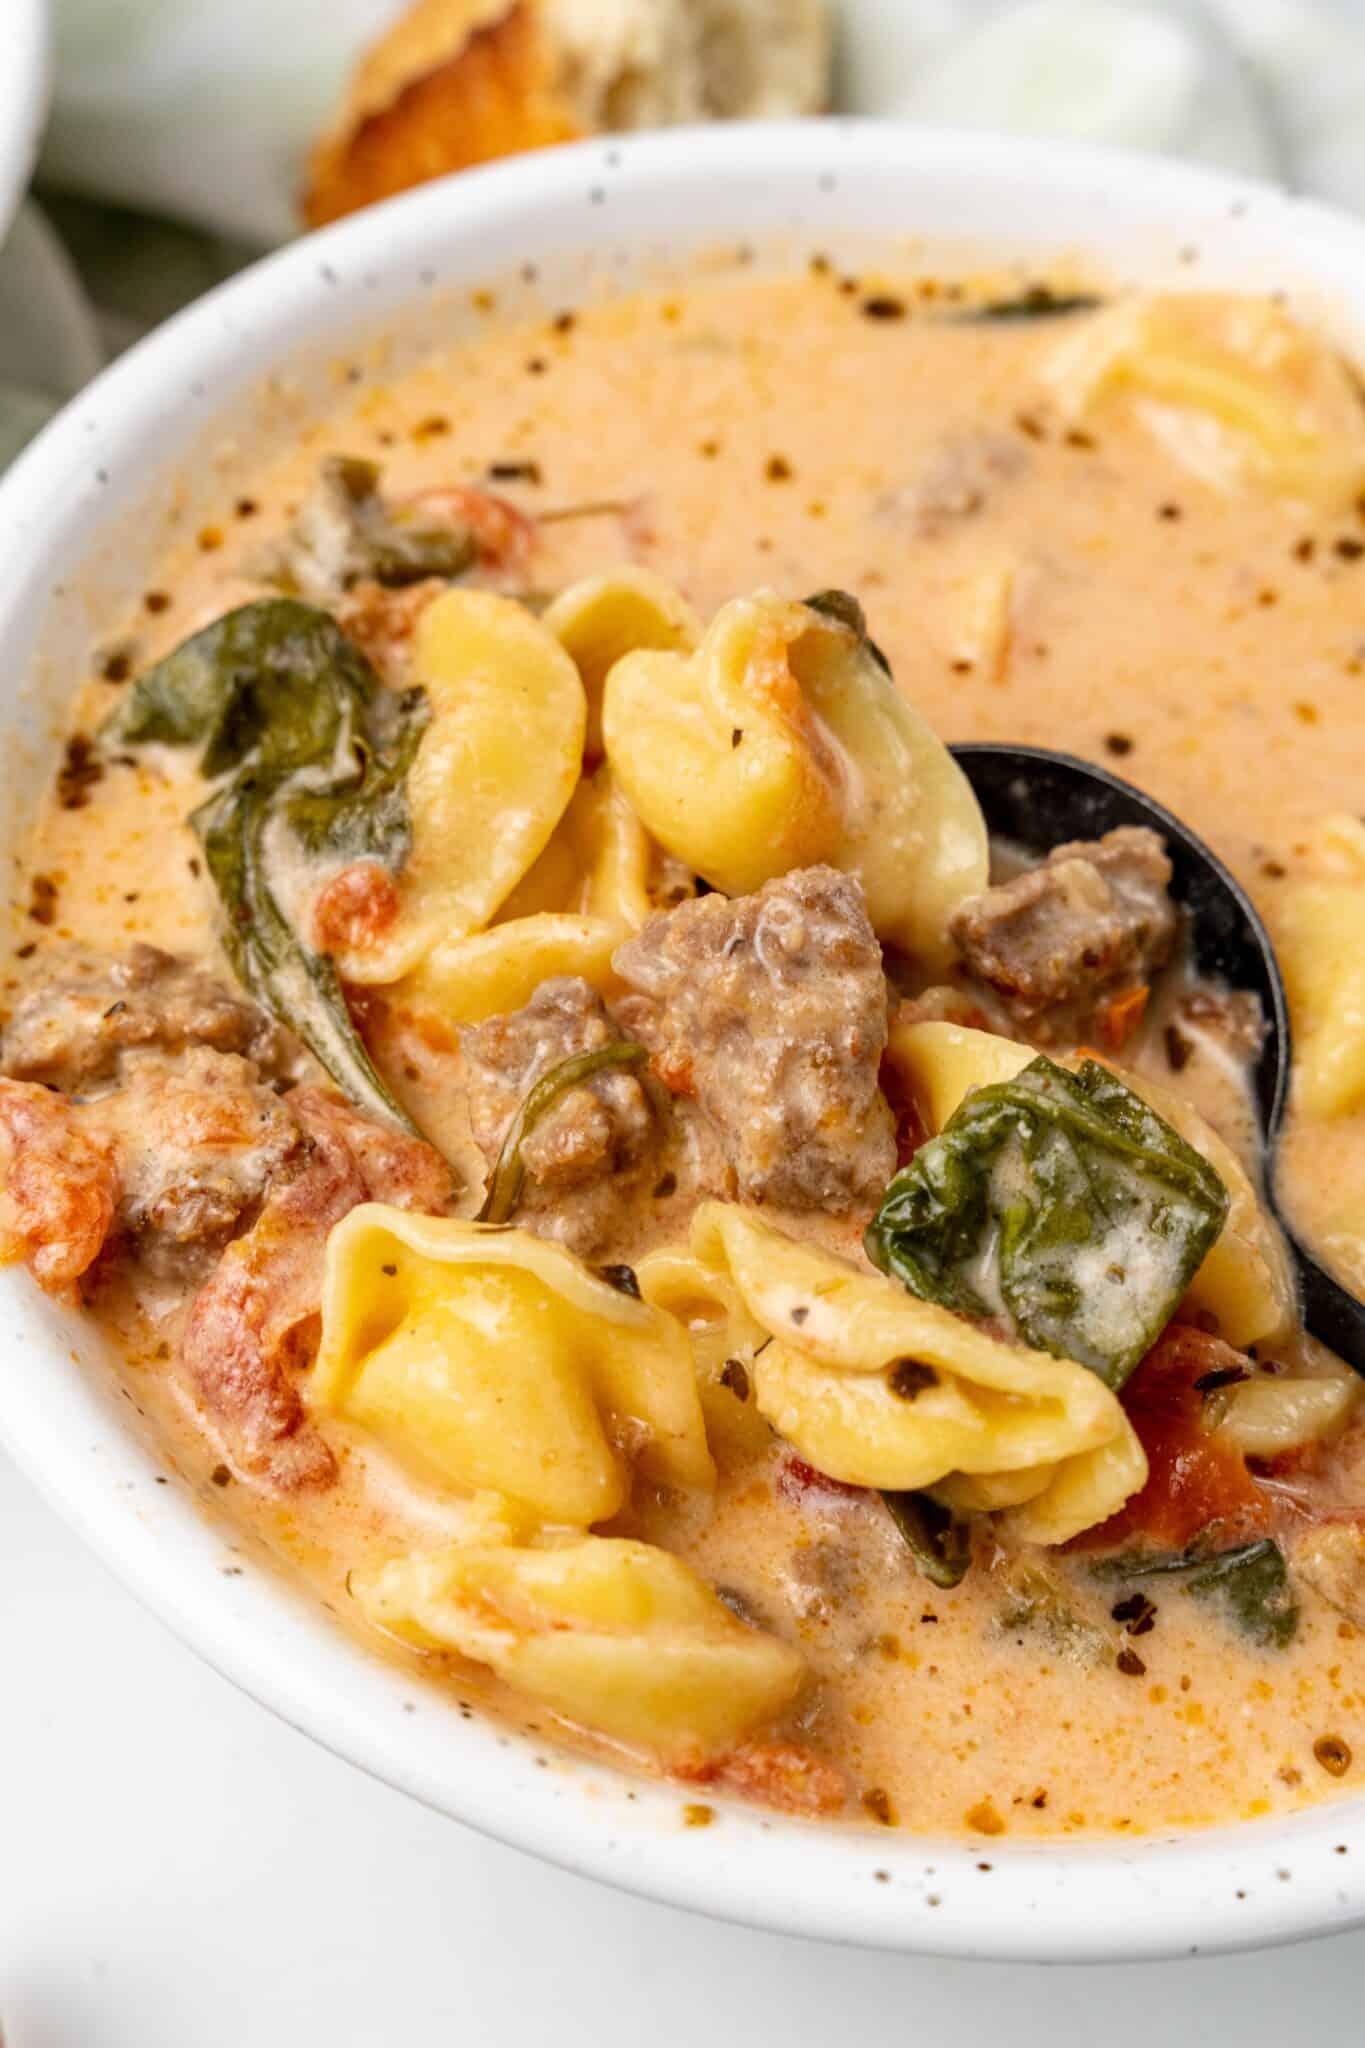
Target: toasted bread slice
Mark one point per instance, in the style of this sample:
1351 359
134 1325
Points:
457 82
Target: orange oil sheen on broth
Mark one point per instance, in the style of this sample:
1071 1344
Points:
768 432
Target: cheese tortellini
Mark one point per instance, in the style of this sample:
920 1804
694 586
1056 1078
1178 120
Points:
490 1360
783 742
492 776
1236 387
1319 933
587 892
588 888
605 617
725 1341
879 1389
615 1636
1244 1280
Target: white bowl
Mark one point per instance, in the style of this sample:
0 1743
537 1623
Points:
160 438
24 86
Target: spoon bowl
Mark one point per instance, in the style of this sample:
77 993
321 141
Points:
1040 798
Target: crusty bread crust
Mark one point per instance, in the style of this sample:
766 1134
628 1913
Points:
455 83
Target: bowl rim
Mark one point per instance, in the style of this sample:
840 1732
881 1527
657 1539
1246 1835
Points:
1238 1886
25 90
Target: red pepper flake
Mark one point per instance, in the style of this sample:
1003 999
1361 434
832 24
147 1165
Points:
117 666
42 906
881 306
909 1378
1348 548
877 1804
734 1375
1333 1754
564 323
246 508
1169 511
156 601
1137 1613
1178 1048
1305 549
81 769
778 470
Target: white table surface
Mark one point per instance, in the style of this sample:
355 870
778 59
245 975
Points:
179 1870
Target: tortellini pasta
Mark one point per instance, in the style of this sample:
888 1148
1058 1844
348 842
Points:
1319 933
783 742
492 776
597 862
491 1360
725 1339
587 892
615 1636
1244 1280
879 1389
1239 390
605 617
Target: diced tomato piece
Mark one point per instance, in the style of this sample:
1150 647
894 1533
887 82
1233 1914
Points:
355 908
796 1479
911 1129
1119 1019
1193 1479
503 533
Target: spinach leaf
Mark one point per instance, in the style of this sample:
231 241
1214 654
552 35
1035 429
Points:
1035 1601
1251 1584
939 1543
302 739
1062 1203
509 1174
844 609
345 531
1038 303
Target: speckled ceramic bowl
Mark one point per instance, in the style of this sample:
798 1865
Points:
85 514
24 79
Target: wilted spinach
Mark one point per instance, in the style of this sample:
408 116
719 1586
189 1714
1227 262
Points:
303 740
1035 1602
1250 1583
1062 1202
844 609
345 531
509 1174
939 1543
1038 303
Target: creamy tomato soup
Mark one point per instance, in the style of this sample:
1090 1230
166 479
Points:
516 1029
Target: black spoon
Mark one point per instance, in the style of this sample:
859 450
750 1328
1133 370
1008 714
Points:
1039 799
